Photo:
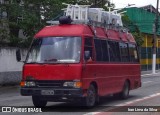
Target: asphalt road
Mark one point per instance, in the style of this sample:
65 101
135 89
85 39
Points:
147 95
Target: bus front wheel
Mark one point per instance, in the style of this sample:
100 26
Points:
38 102
90 99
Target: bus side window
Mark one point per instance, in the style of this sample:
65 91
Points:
104 44
98 49
114 51
124 52
133 53
89 47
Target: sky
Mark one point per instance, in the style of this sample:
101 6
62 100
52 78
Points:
138 3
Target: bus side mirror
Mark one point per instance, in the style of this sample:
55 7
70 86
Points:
86 55
18 55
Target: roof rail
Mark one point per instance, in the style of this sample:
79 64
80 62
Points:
83 14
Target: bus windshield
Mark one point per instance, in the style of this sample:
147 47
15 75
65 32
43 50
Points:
55 50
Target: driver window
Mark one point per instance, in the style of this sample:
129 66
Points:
89 47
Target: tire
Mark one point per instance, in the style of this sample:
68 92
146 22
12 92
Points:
97 99
38 102
90 100
125 92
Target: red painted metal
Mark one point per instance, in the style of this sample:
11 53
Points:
109 77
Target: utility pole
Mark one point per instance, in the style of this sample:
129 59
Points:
155 26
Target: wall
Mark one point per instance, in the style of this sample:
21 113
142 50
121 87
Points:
10 69
146 53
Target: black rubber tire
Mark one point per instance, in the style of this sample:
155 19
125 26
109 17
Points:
125 92
97 99
90 100
38 102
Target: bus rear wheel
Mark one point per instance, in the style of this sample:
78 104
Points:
38 102
90 99
125 92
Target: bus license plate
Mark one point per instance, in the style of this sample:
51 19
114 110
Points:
47 92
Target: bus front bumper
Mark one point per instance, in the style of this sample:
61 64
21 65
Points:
53 93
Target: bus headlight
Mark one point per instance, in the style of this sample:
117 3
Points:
27 84
30 84
75 84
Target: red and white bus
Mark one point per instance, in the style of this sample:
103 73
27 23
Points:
71 62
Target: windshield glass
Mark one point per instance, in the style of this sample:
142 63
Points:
55 50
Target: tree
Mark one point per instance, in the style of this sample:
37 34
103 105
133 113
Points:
3 25
133 29
3 31
9 27
95 3
31 16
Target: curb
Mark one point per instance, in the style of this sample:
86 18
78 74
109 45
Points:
150 75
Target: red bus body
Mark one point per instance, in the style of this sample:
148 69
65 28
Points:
107 77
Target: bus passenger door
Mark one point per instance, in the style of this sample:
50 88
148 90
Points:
89 72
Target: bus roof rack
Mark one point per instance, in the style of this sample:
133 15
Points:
82 14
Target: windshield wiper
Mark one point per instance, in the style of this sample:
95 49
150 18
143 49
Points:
51 60
34 62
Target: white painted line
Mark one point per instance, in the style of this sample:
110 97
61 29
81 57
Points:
147 82
137 100
127 103
149 74
92 113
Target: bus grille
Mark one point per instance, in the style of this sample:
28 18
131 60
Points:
49 83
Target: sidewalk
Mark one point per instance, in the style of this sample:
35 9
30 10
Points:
149 72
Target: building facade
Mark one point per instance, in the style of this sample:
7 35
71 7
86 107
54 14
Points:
144 18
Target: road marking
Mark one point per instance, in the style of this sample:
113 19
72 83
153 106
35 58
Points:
137 100
147 82
126 103
147 75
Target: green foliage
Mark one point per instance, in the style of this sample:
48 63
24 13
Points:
14 41
95 3
3 31
33 14
126 21
138 36
133 29
25 43
3 35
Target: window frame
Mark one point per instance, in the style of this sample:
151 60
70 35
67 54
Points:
92 46
126 51
96 50
119 53
135 48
